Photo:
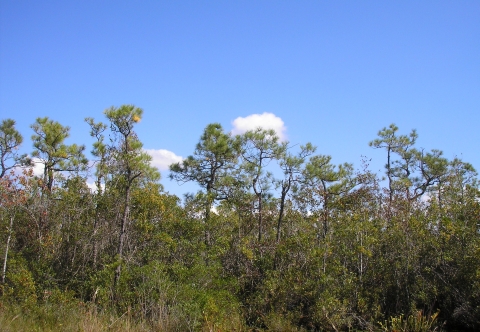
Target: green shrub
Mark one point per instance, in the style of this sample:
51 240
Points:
417 322
20 286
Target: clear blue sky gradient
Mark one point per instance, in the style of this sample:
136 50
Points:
335 71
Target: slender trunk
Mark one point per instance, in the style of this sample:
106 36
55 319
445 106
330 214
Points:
325 222
390 184
43 216
50 181
95 244
208 207
260 225
280 215
361 256
95 223
260 220
2 166
325 209
258 193
440 195
279 224
123 231
4 271
207 225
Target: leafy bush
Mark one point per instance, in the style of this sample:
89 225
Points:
417 322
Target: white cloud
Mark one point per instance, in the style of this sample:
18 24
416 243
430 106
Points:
425 198
265 120
214 210
93 186
162 159
38 167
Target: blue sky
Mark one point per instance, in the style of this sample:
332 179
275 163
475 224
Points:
335 72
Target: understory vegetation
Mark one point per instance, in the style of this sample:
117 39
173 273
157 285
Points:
278 238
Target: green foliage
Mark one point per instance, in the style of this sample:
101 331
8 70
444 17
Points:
20 285
210 167
331 249
416 322
127 158
53 153
10 141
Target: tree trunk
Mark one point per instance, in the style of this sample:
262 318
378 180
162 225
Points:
208 207
280 215
260 220
4 271
123 231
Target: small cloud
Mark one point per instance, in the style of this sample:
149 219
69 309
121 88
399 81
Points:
214 210
265 121
425 198
38 166
93 186
162 159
